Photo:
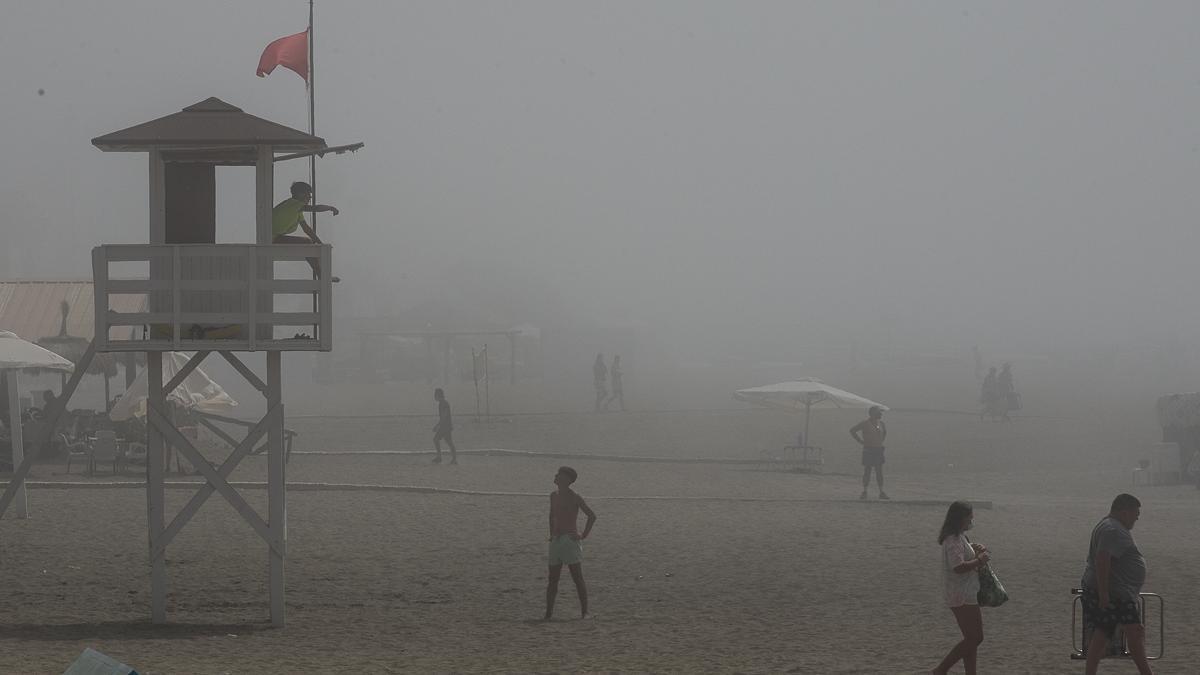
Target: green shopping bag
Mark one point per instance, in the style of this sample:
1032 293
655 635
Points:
991 591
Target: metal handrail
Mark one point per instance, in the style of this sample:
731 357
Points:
1117 648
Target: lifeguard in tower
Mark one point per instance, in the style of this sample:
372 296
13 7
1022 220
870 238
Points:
288 216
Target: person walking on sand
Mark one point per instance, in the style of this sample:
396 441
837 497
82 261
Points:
599 375
1007 398
565 546
442 430
987 396
618 389
1112 583
961 561
870 434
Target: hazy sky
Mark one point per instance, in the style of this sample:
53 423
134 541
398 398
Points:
963 172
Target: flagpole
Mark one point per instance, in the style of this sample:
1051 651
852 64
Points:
312 111
312 130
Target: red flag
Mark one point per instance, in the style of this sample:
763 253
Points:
291 52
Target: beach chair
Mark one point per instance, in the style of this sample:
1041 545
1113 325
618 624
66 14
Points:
104 449
806 458
1117 648
77 452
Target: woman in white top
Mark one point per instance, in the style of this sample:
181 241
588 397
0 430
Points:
960 562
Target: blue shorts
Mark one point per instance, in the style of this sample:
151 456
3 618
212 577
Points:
565 551
872 457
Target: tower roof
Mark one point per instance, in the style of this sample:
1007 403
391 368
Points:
212 125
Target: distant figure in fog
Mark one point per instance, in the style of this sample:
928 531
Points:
961 561
599 376
988 396
442 430
870 434
618 389
1006 392
565 540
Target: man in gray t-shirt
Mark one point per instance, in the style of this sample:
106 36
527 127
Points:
1112 580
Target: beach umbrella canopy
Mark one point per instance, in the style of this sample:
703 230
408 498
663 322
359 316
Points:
18 354
198 391
804 395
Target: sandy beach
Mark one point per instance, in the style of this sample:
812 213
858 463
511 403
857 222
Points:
692 567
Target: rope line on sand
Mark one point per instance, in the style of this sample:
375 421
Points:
535 413
422 489
504 452
582 413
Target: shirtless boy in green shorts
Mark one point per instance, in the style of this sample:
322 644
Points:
565 546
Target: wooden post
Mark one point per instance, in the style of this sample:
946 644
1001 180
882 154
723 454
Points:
155 493
475 376
431 373
512 359
276 489
130 369
158 198
18 450
446 361
264 190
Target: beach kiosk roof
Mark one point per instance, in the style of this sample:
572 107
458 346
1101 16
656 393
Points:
211 131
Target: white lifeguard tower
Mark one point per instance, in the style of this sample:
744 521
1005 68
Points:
207 297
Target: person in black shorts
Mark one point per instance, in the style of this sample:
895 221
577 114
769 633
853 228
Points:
442 430
1112 582
870 434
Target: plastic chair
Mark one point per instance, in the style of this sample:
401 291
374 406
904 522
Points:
104 449
76 451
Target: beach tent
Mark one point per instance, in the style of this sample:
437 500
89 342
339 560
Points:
197 391
804 395
17 355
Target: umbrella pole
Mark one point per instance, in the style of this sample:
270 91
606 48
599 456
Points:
807 414
18 442
106 394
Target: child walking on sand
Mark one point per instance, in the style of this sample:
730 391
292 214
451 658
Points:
565 546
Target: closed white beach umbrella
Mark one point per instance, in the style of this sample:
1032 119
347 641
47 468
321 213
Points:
197 391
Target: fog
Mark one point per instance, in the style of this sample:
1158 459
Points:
891 197
718 181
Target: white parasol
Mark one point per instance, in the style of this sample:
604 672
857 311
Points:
804 395
17 355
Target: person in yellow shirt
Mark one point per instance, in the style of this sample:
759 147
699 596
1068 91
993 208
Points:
288 216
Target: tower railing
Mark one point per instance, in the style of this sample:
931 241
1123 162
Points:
229 297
